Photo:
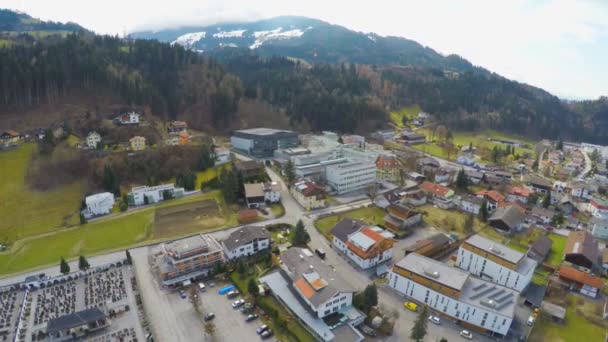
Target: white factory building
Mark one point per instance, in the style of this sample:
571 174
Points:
351 176
477 304
496 263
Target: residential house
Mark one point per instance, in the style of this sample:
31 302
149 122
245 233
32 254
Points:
582 249
400 217
443 175
474 177
99 204
182 261
9 137
177 127
387 168
567 205
152 194
138 143
93 139
580 281
412 138
605 259
495 262
471 204
556 156
580 189
492 197
599 227
427 164
518 193
76 325
538 184
383 135
430 247
541 215
246 241
308 194
250 169
507 219
440 195
598 207
416 199
222 156
365 246
258 194
467 159
131 118
184 138
319 286
455 294
539 250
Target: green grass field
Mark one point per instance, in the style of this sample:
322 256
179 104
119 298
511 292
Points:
557 250
371 215
25 212
410 112
83 240
448 221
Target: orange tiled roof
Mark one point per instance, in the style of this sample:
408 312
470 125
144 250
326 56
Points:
520 191
304 288
491 194
580 277
386 162
433 188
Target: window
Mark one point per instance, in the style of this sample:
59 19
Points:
326 312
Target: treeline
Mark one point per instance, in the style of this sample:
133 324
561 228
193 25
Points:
11 21
167 78
324 96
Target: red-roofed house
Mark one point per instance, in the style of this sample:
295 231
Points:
493 198
518 193
9 137
308 194
440 195
387 168
583 282
366 246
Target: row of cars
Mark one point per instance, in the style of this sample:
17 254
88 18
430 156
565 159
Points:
246 308
435 319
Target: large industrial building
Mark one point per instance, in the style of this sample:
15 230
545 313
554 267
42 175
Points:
496 263
262 142
476 303
351 176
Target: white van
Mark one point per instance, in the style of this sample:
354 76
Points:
201 286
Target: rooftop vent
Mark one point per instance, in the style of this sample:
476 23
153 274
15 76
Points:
432 274
488 303
495 250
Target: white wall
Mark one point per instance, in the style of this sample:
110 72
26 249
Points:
247 250
272 196
346 180
475 264
450 306
339 301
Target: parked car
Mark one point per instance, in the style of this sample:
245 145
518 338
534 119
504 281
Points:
531 320
411 306
251 317
211 284
320 253
247 308
237 303
434 319
266 334
368 331
261 329
201 286
182 294
209 316
466 334
232 294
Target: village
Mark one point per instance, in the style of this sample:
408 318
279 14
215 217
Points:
324 237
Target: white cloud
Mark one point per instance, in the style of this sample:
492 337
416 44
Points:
554 44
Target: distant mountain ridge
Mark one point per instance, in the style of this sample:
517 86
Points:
18 22
309 39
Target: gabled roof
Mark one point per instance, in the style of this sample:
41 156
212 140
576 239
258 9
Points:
492 195
580 277
472 199
582 242
538 181
510 215
542 246
244 236
519 191
435 189
254 190
539 211
345 227
248 165
401 211
74 320
384 161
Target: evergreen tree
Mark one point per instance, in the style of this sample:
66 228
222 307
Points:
83 219
300 235
547 200
483 211
64 267
207 158
47 143
229 186
560 145
128 256
110 181
290 172
340 140
557 219
83 264
123 206
240 267
419 328
370 297
462 182
252 287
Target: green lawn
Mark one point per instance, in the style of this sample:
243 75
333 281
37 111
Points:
575 328
25 212
557 250
86 240
371 215
277 210
448 221
410 112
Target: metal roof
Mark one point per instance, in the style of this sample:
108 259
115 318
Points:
495 248
361 240
434 271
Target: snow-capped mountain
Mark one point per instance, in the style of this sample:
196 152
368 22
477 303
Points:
308 39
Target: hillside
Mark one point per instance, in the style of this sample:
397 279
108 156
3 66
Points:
17 22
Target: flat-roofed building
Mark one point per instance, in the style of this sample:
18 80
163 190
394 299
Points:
262 142
351 176
152 194
495 262
476 303
181 261
321 287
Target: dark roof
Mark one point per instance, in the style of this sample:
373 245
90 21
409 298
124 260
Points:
541 246
539 181
583 243
73 320
248 165
244 236
472 199
539 211
346 227
510 215
535 294
473 174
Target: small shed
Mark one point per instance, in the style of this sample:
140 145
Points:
556 312
534 295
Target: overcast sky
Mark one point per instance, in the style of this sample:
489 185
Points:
559 45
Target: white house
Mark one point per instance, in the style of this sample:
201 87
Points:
365 246
152 194
451 292
246 241
580 189
351 176
599 227
471 204
258 194
93 139
131 118
495 262
320 287
272 192
99 204
222 156
598 207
